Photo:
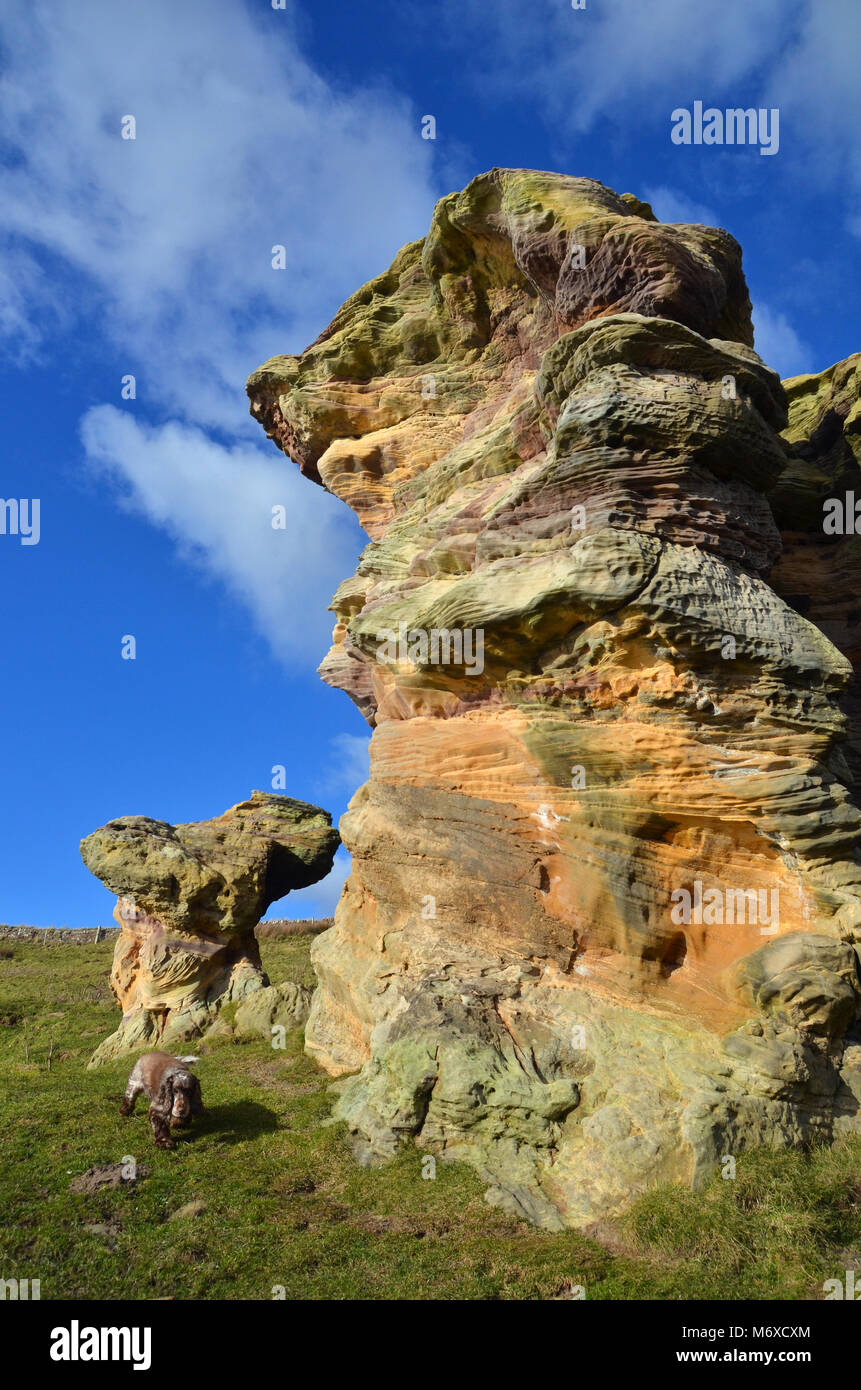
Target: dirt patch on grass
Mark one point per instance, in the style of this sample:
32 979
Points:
104 1175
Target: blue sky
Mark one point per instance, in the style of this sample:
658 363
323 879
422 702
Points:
302 127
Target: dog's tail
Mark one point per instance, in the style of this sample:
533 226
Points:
189 1061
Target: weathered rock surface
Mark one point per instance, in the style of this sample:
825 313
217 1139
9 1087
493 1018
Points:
285 1005
818 572
189 898
549 418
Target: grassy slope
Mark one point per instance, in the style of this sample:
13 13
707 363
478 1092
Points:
287 1205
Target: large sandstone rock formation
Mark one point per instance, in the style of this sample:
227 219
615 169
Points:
599 929
189 898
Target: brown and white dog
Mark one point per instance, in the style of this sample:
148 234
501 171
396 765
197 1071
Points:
173 1093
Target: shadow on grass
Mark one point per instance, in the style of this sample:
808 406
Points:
240 1119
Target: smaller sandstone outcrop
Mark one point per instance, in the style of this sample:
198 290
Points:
189 898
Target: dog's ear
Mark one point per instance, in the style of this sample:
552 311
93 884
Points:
160 1112
163 1103
196 1097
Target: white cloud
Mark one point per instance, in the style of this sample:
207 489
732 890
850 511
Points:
815 84
583 64
349 768
647 57
778 344
216 502
672 205
163 246
22 284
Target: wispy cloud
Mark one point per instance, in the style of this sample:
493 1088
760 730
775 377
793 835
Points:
348 769
779 345
583 64
216 501
162 247
672 205
813 78
640 60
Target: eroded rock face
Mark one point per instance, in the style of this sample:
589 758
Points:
818 571
189 898
599 930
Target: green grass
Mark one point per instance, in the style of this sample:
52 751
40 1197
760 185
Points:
287 1205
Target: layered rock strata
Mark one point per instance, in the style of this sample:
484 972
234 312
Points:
599 928
189 898
817 503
